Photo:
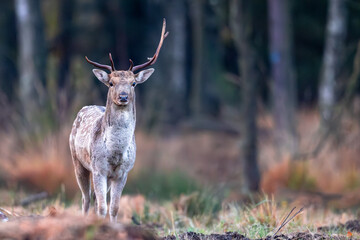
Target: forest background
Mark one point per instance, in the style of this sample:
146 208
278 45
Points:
247 96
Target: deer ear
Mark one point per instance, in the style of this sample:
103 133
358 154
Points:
143 75
102 76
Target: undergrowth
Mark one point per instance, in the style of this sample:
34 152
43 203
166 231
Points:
212 215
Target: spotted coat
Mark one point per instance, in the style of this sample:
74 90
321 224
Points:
102 141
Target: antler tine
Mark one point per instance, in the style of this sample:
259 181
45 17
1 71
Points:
112 62
98 64
131 65
154 58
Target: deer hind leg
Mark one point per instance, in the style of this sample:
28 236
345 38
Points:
83 180
117 187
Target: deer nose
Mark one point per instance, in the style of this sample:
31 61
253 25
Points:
123 97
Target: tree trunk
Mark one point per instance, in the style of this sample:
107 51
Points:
176 57
168 107
31 60
153 102
7 56
174 54
116 23
241 29
282 74
335 36
197 26
65 52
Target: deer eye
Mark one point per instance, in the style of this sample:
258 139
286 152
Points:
111 84
133 84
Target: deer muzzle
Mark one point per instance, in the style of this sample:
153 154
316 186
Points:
123 97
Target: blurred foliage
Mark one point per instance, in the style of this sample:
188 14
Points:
352 180
203 203
161 185
299 177
192 197
128 29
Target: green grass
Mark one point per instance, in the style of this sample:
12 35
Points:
203 203
161 186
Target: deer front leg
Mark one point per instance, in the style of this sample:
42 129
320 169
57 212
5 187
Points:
117 187
100 187
94 195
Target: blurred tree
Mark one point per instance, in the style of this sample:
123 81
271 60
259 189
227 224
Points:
214 21
332 59
282 74
154 101
7 63
197 31
309 20
166 101
241 28
115 23
31 60
7 49
64 45
174 54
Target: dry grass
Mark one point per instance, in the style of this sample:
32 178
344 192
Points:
40 167
208 157
254 220
334 170
262 219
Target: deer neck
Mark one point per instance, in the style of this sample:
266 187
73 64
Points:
119 119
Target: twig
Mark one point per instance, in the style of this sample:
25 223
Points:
281 225
34 198
286 221
294 216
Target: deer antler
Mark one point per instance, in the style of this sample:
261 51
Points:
154 58
133 68
110 68
131 65
112 62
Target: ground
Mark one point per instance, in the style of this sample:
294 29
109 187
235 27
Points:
51 218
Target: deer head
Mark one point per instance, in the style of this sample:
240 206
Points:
122 83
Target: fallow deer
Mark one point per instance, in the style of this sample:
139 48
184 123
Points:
102 140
